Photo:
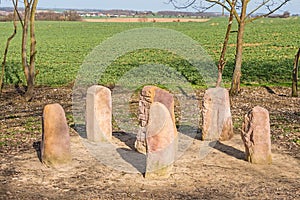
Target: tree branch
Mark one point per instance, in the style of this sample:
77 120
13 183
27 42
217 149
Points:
15 3
269 13
6 48
190 3
221 4
32 34
175 4
258 7
222 61
229 9
203 9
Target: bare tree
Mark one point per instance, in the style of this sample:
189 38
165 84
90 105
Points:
27 20
222 62
295 75
29 66
242 16
7 47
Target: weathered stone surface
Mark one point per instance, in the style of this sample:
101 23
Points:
55 147
256 136
148 95
161 142
216 115
99 114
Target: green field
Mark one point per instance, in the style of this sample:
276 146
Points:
270 47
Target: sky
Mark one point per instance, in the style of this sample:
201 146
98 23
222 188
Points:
142 5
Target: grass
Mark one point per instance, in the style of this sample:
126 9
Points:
270 46
297 141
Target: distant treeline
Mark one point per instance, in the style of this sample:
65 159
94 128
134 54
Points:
286 14
49 16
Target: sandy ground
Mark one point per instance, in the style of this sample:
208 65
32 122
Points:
146 20
221 174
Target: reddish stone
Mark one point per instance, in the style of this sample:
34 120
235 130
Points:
166 99
55 148
257 137
99 114
161 142
216 115
150 94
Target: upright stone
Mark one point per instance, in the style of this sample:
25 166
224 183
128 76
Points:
256 136
161 142
98 114
148 95
216 115
55 148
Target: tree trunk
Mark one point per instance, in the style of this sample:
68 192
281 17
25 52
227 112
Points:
295 75
6 49
29 68
24 42
236 78
222 61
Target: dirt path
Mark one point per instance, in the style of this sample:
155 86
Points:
222 174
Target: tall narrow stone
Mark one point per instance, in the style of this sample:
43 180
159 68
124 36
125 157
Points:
148 95
256 136
98 114
55 148
161 142
216 115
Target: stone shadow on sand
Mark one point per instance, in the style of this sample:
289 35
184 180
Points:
127 138
80 129
131 156
134 158
191 131
37 146
231 151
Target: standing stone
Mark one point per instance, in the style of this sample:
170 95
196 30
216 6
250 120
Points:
99 114
148 95
256 136
55 147
216 115
161 143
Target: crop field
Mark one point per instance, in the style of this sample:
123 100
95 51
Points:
64 48
144 19
269 49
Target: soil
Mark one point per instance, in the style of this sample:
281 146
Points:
222 174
